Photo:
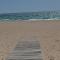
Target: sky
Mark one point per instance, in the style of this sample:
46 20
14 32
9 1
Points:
11 6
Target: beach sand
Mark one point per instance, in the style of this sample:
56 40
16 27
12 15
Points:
47 32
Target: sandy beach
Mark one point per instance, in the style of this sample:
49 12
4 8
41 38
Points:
47 32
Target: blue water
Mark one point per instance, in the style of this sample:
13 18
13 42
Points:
30 15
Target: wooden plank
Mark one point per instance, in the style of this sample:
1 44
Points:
26 50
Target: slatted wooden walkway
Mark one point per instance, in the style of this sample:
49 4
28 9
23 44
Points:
26 50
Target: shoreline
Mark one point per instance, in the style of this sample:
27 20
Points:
29 21
6 20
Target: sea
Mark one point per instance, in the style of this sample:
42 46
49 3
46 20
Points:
30 16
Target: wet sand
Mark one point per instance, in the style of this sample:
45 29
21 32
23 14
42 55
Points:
47 32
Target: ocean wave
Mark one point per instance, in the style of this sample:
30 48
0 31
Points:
31 16
42 19
28 19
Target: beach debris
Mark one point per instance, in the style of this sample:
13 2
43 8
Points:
51 58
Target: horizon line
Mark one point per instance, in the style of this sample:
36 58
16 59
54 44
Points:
29 11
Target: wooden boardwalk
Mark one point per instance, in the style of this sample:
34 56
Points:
26 50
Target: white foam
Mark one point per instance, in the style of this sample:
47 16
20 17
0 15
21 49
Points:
42 19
